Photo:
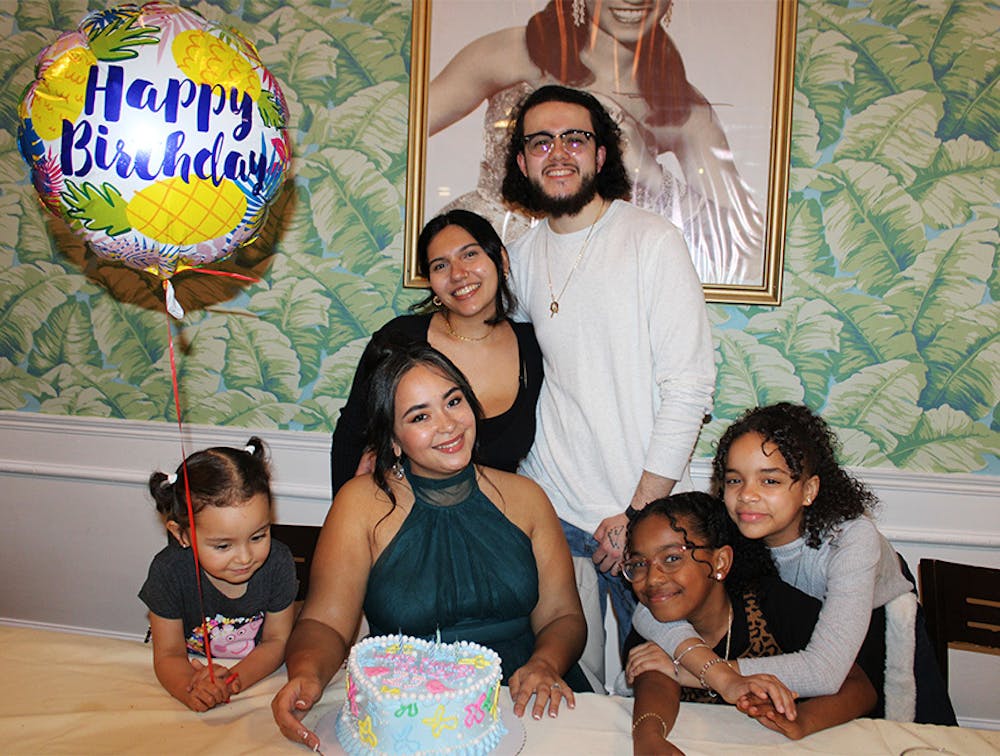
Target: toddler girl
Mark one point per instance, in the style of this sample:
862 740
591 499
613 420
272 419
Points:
777 471
248 581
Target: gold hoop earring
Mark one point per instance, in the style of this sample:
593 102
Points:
437 301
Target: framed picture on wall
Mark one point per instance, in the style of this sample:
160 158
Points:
701 90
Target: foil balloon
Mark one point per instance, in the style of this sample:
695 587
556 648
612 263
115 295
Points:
157 135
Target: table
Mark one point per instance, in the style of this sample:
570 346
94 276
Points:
64 693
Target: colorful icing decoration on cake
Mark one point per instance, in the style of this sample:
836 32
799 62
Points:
410 696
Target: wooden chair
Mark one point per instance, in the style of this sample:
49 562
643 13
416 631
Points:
301 539
962 604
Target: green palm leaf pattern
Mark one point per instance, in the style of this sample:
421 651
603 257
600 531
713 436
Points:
353 206
27 294
880 400
66 337
807 333
259 356
945 439
134 340
964 362
753 374
90 390
948 278
896 132
872 225
891 247
824 64
299 309
249 408
964 173
16 385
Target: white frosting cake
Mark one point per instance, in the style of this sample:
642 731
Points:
411 696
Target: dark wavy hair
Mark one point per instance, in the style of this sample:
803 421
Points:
809 448
397 359
486 237
612 180
555 43
702 521
217 477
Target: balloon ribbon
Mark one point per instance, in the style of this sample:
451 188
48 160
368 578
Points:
190 507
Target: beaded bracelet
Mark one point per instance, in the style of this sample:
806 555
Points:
677 660
647 715
708 665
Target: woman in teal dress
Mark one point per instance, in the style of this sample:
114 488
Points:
430 543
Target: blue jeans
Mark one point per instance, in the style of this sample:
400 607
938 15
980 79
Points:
582 544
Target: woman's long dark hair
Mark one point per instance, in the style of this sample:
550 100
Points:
397 359
702 520
809 448
555 43
486 237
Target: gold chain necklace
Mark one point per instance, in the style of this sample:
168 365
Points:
554 303
460 337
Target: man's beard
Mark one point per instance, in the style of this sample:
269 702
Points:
557 207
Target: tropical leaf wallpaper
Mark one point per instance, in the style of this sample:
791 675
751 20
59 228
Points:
890 324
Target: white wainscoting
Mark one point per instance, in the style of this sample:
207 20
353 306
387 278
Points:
79 528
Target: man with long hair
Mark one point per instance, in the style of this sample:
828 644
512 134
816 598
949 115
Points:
621 319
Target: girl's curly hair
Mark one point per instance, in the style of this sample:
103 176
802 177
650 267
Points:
702 521
809 448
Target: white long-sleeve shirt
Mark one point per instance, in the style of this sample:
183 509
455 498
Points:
854 571
629 361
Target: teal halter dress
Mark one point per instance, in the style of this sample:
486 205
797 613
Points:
460 568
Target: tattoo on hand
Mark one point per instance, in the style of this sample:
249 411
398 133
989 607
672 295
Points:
615 538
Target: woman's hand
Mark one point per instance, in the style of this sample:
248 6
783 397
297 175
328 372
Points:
648 657
536 678
291 704
764 687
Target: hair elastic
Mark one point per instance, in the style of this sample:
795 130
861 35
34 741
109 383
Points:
250 449
171 479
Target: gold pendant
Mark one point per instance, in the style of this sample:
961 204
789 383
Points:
553 308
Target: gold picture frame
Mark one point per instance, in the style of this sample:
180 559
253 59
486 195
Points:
769 155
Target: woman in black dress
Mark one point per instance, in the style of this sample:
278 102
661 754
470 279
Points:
467 318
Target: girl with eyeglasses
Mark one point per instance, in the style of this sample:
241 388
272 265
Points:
686 560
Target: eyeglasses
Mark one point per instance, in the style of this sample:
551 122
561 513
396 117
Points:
667 561
573 141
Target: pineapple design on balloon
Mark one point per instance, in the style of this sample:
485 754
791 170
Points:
157 135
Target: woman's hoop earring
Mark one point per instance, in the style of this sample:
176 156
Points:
579 13
436 300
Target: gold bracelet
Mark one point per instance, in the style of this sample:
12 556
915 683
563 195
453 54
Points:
708 665
647 715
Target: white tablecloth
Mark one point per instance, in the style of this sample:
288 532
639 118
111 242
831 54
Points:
64 693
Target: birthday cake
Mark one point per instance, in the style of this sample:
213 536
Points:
410 696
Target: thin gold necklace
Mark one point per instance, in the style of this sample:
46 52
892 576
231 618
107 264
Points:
460 337
554 303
